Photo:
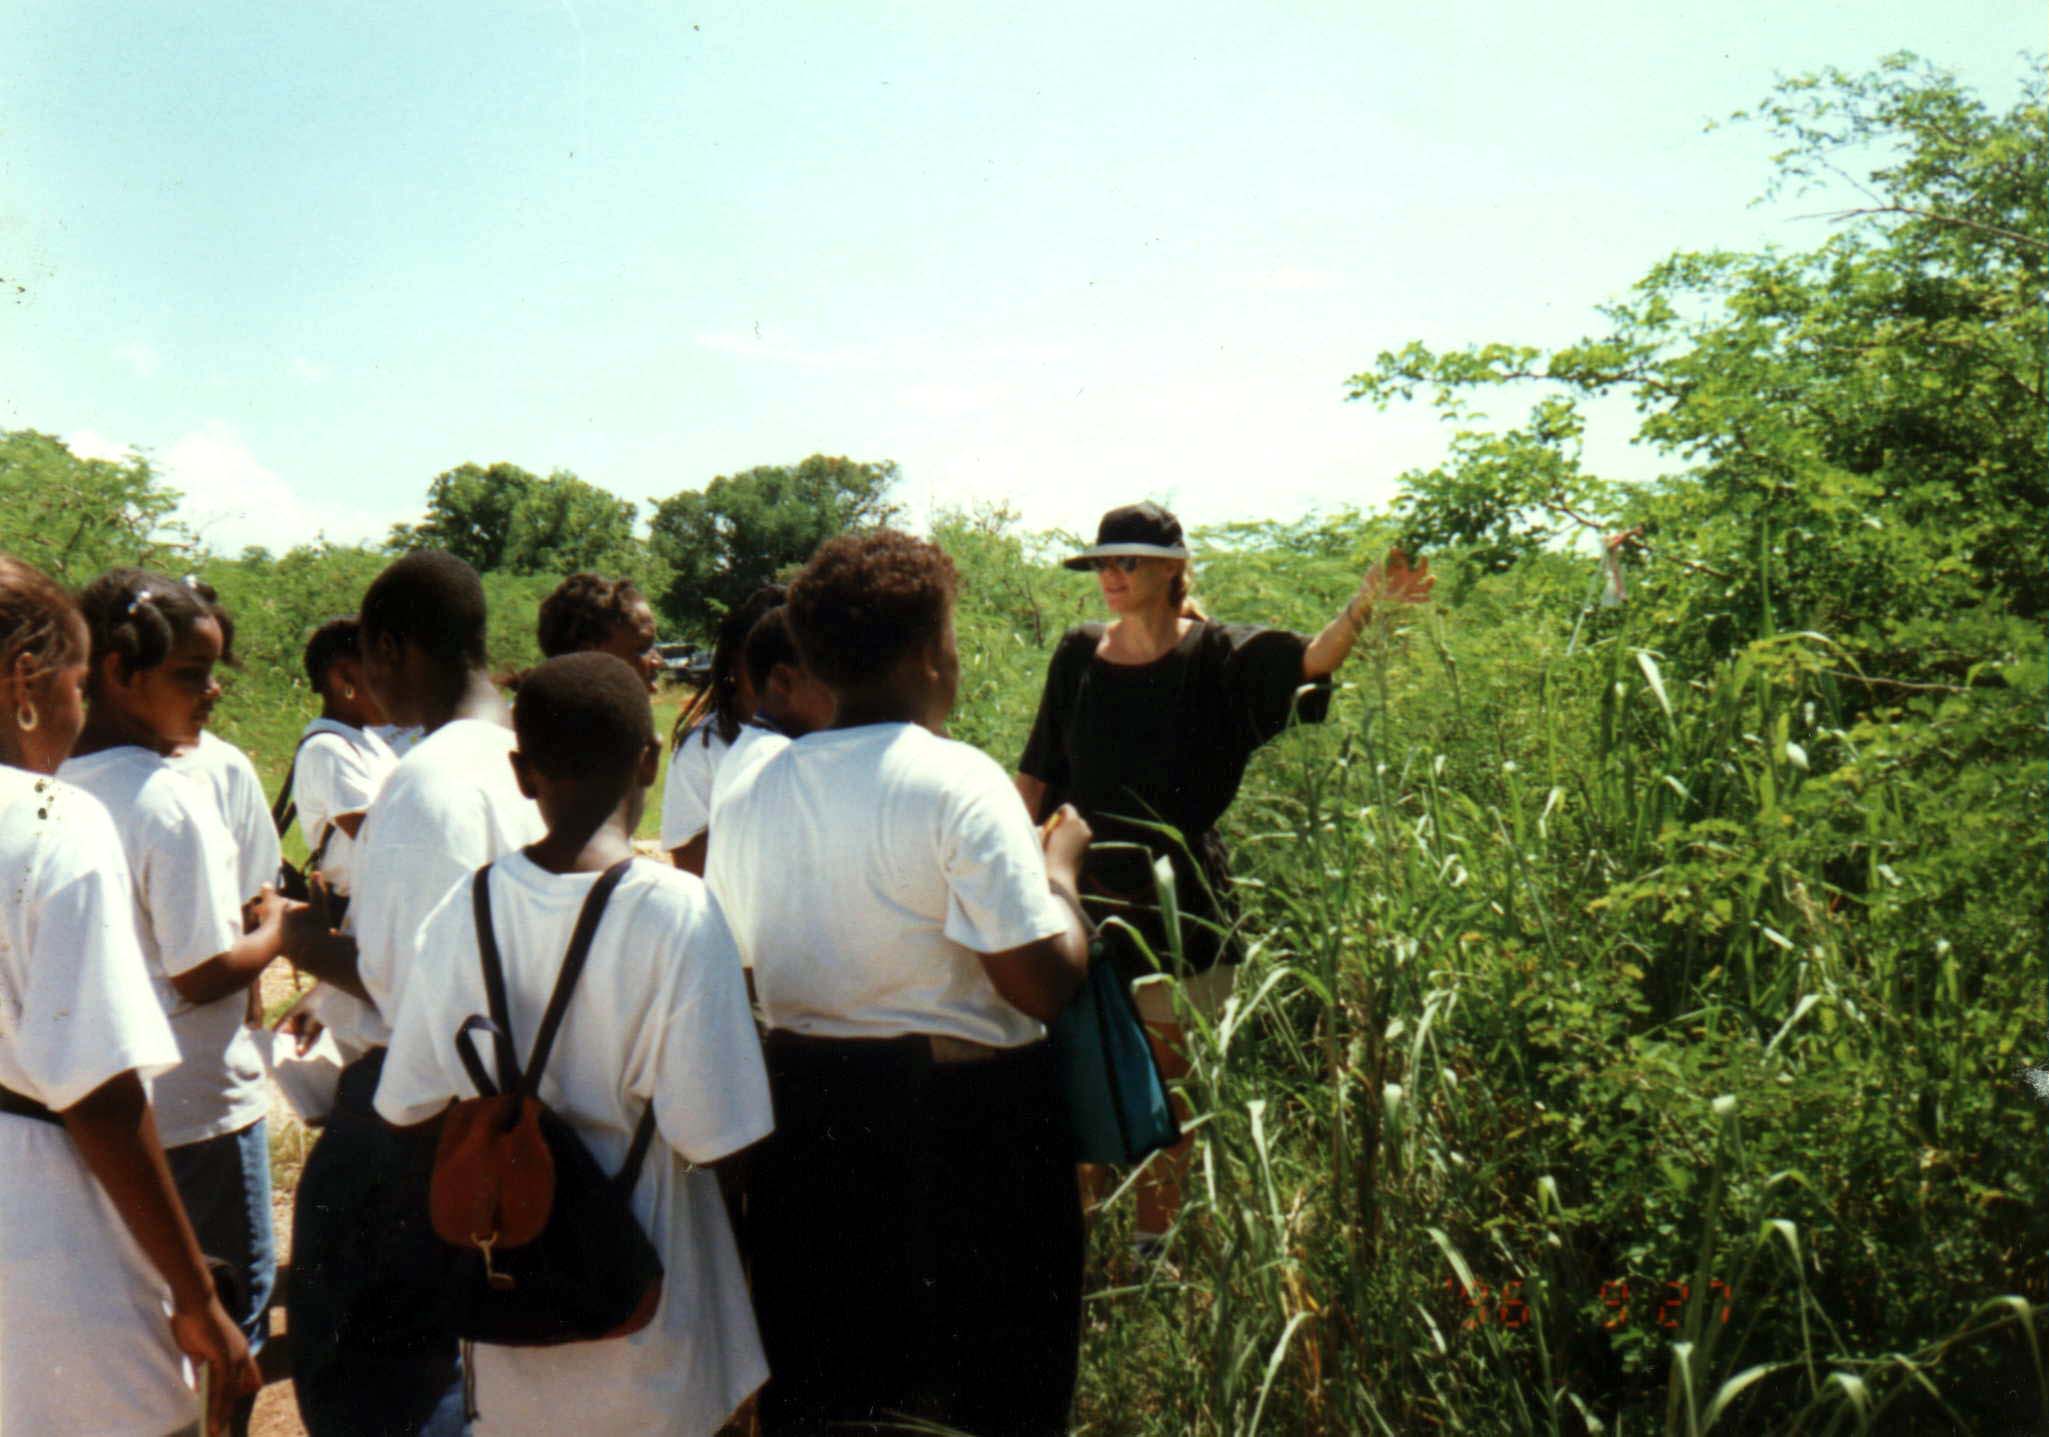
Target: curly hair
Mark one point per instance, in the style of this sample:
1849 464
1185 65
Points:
138 616
584 611
865 600
38 620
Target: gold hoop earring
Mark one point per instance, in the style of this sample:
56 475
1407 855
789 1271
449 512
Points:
348 691
25 716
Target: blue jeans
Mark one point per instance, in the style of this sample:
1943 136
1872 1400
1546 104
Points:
224 1183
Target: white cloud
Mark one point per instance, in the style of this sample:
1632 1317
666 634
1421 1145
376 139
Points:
140 357
306 370
91 444
232 499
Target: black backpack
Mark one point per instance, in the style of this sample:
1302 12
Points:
546 1247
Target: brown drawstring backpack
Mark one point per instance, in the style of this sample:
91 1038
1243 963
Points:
550 1251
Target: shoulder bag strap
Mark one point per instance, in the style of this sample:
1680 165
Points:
494 982
636 1152
572 969
284 810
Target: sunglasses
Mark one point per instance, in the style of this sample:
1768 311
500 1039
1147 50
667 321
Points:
1128 563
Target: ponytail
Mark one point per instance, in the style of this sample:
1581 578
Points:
1178 595
138 616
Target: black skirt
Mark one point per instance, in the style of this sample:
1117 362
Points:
916 1241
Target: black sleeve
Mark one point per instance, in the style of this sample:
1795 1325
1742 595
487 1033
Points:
1263 683
1045 752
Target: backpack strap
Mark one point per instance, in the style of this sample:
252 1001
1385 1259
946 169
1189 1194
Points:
284 810
636 1152
499 1025
572 969
494 987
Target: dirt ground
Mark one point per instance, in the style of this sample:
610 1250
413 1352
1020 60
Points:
277 1415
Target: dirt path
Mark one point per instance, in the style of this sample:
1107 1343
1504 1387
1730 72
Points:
277 1414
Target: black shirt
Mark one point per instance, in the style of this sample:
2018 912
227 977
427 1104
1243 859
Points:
1134 746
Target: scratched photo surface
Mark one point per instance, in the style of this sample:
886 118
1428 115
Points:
1628 931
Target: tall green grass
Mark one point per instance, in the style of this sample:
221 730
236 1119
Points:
1574 972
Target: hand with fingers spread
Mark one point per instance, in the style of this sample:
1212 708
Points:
1390 581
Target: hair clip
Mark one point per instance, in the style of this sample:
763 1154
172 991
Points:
136 600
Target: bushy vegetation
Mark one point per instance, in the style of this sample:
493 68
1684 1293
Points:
1630 1036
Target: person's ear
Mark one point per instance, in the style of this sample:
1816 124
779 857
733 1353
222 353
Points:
108 672
523 773
650 764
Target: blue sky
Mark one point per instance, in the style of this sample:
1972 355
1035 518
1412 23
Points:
307 256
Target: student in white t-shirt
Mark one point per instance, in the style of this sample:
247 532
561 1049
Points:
340 765
341 762
154 646
96 1248
588 613
227 771
659 1017
706 729
450 806
238 791
789 704
908 949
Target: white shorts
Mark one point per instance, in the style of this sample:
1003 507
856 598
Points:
1205 992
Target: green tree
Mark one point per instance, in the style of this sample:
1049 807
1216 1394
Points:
737 533
562 525
1860 423
469 513
505 518
74 517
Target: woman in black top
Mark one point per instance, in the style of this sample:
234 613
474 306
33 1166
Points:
1150 720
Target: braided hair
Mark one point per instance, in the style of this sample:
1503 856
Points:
716 708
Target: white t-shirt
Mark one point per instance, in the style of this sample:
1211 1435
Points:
237 788
754 746
188 909
451 806
338 771
660 1015
686 793
84 1344
399 739
863 871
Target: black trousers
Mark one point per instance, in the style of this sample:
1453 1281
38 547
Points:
916 1240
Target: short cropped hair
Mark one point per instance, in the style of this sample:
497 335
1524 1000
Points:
138 616
583 716
584 611
38 620
333 641
770 643
433 600
865 600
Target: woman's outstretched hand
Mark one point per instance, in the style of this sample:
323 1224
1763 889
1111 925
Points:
1391 581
